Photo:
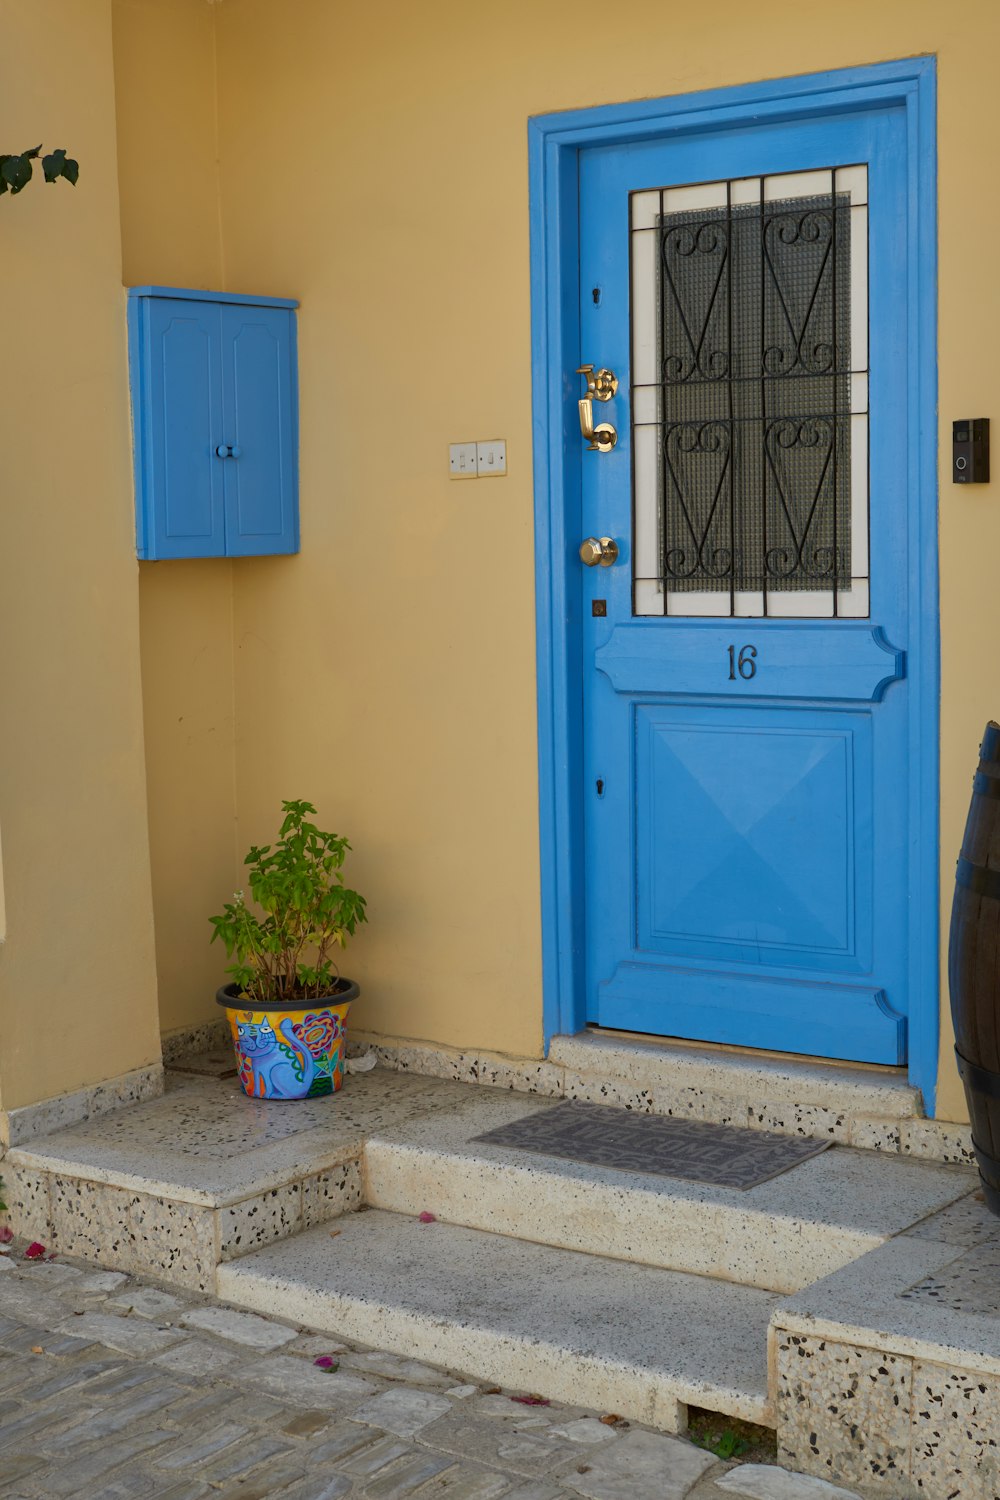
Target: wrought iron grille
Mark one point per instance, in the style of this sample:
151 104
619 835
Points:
754 399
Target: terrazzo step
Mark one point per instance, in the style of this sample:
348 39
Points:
174 1186
631 1339
859 1103
781 1235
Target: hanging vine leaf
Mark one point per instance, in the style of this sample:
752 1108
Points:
16 169
57 164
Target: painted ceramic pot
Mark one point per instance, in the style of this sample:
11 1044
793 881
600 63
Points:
289 1052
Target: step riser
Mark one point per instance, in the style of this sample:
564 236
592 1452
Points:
873 1109
141 1230
728 1242
483 1354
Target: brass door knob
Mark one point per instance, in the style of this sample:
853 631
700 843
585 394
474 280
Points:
598 552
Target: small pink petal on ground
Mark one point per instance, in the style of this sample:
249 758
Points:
35 1251
6 1234
426 1218
325 1361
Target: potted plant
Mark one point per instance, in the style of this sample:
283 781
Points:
287 1005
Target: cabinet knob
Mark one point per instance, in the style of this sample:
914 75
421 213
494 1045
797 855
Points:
228 450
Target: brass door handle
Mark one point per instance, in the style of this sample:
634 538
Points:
599 552
601 386
600 439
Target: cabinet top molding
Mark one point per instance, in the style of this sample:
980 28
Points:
189 294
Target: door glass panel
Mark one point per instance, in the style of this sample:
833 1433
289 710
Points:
750 396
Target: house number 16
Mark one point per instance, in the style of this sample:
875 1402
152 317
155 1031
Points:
745 663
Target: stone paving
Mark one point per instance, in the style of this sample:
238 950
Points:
112 1388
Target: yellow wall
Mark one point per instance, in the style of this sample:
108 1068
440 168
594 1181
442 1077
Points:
373 163
77 981
164 53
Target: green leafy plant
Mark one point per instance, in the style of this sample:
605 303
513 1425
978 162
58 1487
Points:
16 169
308 912
725 1444
735 1439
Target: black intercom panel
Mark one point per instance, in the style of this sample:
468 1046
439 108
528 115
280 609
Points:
970 451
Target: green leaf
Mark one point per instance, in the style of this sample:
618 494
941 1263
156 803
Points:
71 170
52 165
16 172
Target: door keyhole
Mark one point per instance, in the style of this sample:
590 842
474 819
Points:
600 786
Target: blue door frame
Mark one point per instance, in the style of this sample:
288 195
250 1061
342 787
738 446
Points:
555 142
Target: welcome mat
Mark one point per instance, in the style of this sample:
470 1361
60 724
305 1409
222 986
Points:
603 1136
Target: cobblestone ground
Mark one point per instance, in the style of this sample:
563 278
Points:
111 1387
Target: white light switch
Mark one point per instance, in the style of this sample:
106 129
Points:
491 458
462 460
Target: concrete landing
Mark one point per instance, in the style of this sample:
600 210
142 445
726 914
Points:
630 1339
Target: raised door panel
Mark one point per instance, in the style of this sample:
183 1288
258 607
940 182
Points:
747 832
259 383
184 499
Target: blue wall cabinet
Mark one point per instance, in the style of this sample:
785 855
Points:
215 423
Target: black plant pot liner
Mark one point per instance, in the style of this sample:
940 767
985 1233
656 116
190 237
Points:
229 996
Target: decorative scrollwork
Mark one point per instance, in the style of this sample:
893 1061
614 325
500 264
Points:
693 314
813 227
755 311
696 239
800 432
800 289
697 460
699 437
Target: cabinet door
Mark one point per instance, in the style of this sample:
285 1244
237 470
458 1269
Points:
258 351
183 499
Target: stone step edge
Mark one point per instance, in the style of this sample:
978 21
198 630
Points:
849 1106
653 1396
121 1217
39 1157
669 1226
136 1219
185 1235
171 1238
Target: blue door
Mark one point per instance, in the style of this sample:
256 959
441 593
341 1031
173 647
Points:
743 312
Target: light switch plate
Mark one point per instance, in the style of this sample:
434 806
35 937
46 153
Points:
491 458
462 460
